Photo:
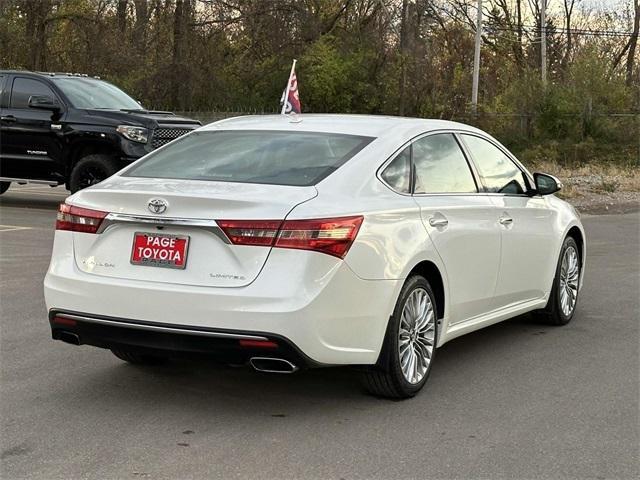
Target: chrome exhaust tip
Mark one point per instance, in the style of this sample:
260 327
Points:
272 365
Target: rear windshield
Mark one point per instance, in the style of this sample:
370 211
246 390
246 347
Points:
270 157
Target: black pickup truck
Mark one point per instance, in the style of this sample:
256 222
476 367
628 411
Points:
74 129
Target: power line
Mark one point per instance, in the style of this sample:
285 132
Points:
561 30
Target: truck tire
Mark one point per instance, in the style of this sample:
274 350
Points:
91 170
4 186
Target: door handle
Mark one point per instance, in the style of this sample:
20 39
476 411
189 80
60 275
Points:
438 222
8 118
505 220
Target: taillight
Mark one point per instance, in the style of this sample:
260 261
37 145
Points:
77 219
251 232
333 236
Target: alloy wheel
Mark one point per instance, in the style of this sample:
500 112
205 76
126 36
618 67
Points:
569 278
416 336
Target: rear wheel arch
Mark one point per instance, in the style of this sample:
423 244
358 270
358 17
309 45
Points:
431 273
84 149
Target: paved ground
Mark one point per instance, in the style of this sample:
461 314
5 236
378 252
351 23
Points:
516 400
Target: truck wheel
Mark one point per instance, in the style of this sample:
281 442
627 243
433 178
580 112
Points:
91 170
4 186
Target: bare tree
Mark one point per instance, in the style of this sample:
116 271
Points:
568 11
633 42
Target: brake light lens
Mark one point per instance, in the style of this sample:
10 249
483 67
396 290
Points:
333 236
78 219
251 232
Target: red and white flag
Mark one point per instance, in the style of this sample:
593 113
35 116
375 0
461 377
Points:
291 97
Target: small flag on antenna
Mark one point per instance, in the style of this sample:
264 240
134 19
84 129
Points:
290 97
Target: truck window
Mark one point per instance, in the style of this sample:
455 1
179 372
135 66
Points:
23 88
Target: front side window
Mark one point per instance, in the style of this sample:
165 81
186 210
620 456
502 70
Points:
90 93
440 166
24 88
251 156
498 172
398 173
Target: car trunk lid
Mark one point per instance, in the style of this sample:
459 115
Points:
192 208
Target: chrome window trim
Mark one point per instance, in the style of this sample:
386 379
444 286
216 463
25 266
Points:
525 173
454 132
386 163
471 166
158 328
199 223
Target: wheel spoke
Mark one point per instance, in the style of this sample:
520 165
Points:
412 366
426 342
569 279
416 335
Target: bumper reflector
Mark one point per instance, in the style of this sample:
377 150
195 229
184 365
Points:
64 321
258 344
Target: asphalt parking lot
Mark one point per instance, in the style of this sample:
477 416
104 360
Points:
516 400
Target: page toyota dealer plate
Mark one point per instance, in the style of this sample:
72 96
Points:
159 250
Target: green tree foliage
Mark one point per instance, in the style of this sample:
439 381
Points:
409 57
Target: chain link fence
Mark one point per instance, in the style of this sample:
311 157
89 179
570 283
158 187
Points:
573 138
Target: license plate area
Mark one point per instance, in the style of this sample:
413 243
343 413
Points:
159 250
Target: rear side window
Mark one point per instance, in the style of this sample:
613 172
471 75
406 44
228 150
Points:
440 166
398 173
497 171
251 156
23 88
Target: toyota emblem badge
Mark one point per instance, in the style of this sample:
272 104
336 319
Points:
157 205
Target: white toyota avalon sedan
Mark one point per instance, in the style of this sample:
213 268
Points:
322 240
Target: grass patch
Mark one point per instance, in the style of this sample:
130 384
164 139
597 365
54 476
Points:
591 178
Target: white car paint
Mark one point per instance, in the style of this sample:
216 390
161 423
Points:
335 311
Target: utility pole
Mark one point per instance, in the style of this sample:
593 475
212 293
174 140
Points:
476 60
543 41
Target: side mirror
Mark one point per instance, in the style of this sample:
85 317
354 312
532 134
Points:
44 102
546 184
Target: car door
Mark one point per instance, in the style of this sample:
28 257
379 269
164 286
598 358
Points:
461 223
525 222
30 143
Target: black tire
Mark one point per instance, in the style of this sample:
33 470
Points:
553 314
386 379
4 186
91 170
137 358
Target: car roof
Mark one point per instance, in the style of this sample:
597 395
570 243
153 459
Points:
49 74
363 125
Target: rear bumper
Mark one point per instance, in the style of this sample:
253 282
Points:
173 340
314 303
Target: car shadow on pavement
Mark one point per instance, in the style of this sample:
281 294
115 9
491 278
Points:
205 385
